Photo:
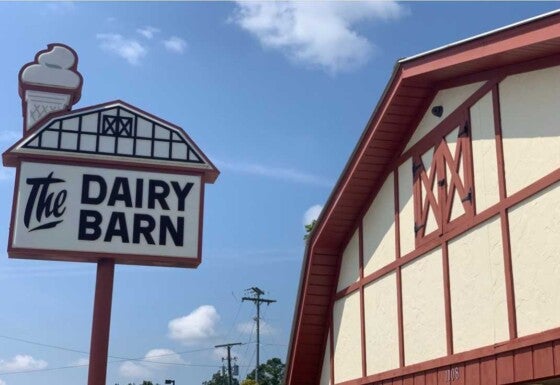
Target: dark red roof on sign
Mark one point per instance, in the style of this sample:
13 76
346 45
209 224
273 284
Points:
114 133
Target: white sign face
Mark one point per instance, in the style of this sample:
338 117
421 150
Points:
102 210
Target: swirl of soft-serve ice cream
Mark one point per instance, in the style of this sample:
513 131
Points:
49 84
54 68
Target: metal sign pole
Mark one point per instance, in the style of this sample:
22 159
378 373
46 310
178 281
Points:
101 324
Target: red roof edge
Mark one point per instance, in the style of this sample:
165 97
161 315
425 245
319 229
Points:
420 68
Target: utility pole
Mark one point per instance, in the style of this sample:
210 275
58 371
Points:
228 346
257 300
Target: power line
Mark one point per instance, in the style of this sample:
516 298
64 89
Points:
44 345
235 318
257 300
117 359
85 352
228 347
113 362
249 362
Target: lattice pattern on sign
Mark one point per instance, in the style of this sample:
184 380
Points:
115 131
40 110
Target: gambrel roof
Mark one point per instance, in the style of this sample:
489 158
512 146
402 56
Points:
408 94
114 132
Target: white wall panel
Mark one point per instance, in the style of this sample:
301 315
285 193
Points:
423 308
350 265
535 252
326 369
477 287
406 208
347 338
379 229
381 320
530 109
485 160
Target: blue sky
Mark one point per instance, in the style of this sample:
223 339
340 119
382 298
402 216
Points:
276 94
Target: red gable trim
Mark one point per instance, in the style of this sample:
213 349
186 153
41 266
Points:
405 99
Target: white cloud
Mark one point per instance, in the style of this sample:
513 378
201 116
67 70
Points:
148 32
22 362
321 34
175 44
312 214
81 361
128 49
198 325
155 359
2 382
286 174
134 370
249 328
162 356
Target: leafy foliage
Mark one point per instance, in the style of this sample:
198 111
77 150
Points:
270 373
309 228
220 378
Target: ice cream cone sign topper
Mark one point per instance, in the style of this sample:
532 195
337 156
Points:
109 184
50 83
105 181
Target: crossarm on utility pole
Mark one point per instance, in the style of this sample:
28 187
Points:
228 347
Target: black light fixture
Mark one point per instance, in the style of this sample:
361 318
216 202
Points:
437 111
170 382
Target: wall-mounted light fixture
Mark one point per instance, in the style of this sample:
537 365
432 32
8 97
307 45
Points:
437 111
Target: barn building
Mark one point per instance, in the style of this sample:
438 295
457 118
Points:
436 259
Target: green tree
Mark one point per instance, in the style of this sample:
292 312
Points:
309 228
270 373
248 381
220 379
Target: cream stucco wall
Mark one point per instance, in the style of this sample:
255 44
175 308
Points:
382 335
485 161
350 265
477 287
326 369
450 99
423 308
406 208
347 338
379 229
535 252
530 109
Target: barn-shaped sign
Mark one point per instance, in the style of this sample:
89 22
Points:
103 182
108 184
